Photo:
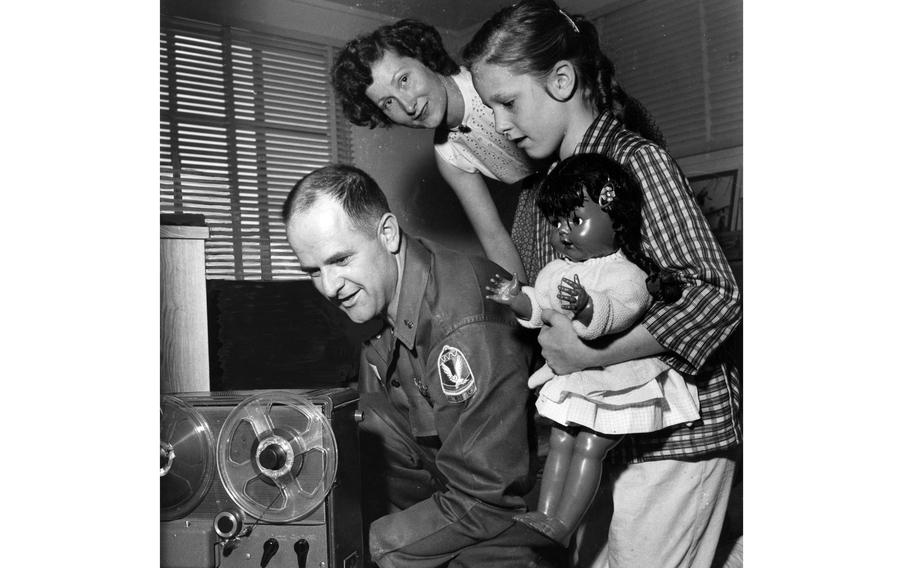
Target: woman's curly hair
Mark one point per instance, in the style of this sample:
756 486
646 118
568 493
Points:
564 189
351 74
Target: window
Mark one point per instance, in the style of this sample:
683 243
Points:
244 115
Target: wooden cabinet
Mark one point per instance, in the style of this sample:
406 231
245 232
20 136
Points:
184 319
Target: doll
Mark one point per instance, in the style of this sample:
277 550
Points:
604 283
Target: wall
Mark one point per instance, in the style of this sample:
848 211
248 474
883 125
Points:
402 161
684 61
312 20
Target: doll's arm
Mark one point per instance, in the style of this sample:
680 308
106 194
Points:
617 304
509 293
575 299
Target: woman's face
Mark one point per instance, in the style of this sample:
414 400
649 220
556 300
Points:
408 92
523 110
586 233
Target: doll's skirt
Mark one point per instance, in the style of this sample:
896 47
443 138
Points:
604 401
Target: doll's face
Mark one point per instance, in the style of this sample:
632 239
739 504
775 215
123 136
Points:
586 233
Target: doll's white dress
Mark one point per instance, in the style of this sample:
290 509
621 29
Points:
643 395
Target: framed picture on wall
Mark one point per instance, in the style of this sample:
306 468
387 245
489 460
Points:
716 195
716 179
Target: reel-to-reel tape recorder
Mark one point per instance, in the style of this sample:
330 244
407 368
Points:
260 478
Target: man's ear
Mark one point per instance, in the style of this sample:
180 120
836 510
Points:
389 233
562 81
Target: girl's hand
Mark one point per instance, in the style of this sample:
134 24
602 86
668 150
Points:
503 291
572 295
560 345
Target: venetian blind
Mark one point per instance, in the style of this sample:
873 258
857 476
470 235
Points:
243 116
683 60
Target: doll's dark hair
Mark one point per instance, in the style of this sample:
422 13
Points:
351 74
565 188
531 36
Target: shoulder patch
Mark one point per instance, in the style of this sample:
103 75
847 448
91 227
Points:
455 375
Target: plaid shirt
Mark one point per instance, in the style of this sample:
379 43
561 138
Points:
677 237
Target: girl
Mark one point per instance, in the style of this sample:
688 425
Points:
602 281
552 91
401 74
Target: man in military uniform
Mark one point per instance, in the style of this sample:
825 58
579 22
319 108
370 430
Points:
443 385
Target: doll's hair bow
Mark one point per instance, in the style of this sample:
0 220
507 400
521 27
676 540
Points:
606 196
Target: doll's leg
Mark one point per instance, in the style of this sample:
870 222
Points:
582 481
555 471
559 458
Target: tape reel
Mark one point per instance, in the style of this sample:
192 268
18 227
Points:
187 458
277 456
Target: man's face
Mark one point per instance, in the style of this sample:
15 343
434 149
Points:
408 92
353 269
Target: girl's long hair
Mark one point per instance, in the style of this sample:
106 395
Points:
530 36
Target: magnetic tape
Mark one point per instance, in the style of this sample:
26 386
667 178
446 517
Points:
260 478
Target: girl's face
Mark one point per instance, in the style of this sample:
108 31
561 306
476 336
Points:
408 92
523 109
586 233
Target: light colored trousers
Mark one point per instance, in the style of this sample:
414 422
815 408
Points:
665 514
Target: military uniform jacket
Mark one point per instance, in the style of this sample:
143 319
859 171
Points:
454 368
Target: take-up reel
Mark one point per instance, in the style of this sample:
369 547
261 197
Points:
277 456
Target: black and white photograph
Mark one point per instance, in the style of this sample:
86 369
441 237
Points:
450 283
462 284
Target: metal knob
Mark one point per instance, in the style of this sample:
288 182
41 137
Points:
269 548
302 548
272 457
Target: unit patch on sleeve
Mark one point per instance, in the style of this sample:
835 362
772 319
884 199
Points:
455 375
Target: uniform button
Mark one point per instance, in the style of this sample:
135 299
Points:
409 323
395 383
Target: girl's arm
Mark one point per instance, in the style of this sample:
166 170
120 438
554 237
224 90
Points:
566 353
677 237
474 195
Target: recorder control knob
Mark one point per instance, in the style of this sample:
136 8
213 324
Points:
302 548
269 548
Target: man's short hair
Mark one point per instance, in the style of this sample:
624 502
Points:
352 73
358 193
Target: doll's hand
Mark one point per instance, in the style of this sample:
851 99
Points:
572 295
503 291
